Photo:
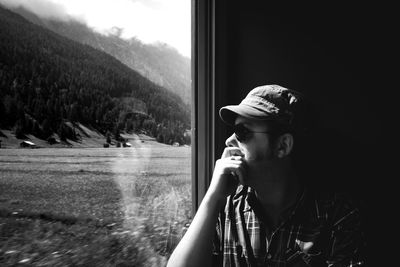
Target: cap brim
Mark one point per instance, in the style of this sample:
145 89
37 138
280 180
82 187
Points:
228 114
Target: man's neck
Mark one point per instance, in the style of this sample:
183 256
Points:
276 189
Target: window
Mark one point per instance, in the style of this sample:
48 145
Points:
92 173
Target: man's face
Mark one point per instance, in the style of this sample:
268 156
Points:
254 142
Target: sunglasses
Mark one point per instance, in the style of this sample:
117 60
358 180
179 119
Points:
242 134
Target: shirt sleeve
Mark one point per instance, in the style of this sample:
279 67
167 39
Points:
347 243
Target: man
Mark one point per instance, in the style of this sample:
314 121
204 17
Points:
257 210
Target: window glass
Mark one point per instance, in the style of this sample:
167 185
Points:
95 131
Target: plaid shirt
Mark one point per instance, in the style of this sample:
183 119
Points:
319 230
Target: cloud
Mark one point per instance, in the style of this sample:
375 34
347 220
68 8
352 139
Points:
151 21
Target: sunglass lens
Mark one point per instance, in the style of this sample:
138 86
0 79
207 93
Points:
240 132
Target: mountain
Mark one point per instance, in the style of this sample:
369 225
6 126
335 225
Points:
159 63
48 81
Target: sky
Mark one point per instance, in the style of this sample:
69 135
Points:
151 21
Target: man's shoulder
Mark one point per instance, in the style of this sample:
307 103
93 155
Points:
335 198
335 204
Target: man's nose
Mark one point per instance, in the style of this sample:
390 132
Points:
231 141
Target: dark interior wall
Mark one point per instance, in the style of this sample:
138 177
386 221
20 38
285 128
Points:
335 55
327 54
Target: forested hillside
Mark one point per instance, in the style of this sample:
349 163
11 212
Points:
47 80
159 63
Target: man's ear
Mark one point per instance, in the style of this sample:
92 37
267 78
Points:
284 145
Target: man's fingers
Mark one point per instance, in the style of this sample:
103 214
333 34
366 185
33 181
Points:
239 173
233 159
231 151
236 169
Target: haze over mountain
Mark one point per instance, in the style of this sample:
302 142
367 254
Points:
159 62
48 81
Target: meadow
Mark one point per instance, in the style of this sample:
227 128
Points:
93 206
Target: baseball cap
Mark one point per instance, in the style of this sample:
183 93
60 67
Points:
268 103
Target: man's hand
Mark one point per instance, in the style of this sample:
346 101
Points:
229 170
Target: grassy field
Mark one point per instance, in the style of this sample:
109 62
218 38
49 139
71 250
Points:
93 206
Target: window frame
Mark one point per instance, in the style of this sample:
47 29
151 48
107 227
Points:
203 97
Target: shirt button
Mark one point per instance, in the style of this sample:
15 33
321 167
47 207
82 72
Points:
269 256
